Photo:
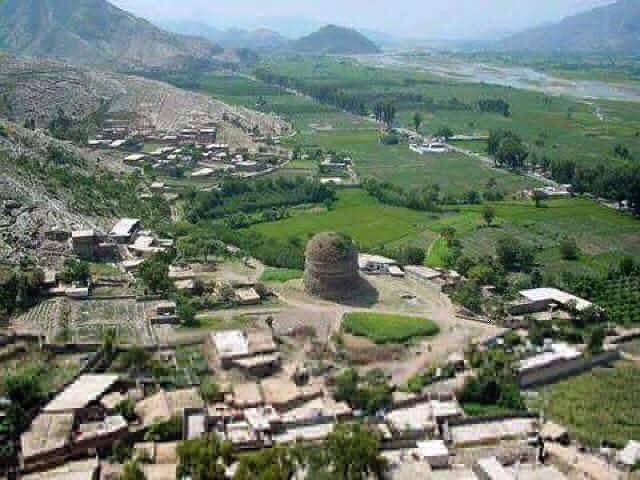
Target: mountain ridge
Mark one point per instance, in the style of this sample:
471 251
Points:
613 28
333 39
94 32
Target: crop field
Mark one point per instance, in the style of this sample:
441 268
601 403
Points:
358 215
384 328
599 405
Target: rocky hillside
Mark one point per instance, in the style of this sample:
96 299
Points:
335 40
35 89
93 32
36 195
610 29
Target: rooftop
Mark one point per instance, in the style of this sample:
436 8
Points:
558 352
231 343
47 433
556 295
124 227
86 389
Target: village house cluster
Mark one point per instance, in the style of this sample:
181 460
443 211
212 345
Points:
194 151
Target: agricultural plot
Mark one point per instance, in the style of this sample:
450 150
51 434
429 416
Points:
324 126
621 299
599 405
602 234
42 320
89 320
359 216
55 370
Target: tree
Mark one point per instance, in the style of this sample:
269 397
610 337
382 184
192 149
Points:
352 452
512 153
538 197
154 273
209 390
132 471
75 271
277 463
26 393
449 234
513 255
488 213
204 458
569 249
444 132
413 256
417 121
169 430
388 114
596 340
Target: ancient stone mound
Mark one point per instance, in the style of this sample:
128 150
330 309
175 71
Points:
331 266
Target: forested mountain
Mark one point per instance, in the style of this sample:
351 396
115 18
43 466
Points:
613 28
335 40
93 32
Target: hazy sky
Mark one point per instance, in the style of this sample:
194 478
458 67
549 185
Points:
409 18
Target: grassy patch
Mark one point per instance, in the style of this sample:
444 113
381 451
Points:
212 322
384 328
280 275
480 410
599 405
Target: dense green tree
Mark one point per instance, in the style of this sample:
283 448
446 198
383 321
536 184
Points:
204 458
417 121
513 255
596 340
444 132
353 453
538 197
277 463
133 471
488 213
154 274
569 249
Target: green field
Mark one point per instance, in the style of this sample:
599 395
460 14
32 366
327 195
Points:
383 328
280 275
599 405
358 215
326 127
557 127
602 234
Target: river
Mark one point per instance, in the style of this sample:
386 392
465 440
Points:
509 76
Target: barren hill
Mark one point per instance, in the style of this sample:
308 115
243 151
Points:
613 28
36 89
93 32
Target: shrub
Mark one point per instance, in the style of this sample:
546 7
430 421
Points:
390 139
569 249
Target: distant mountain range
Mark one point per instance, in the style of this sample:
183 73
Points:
93 32
328 39
613 29
333 39
259 39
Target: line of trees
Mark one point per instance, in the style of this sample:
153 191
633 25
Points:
240 196
325 94
424 199
350 452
